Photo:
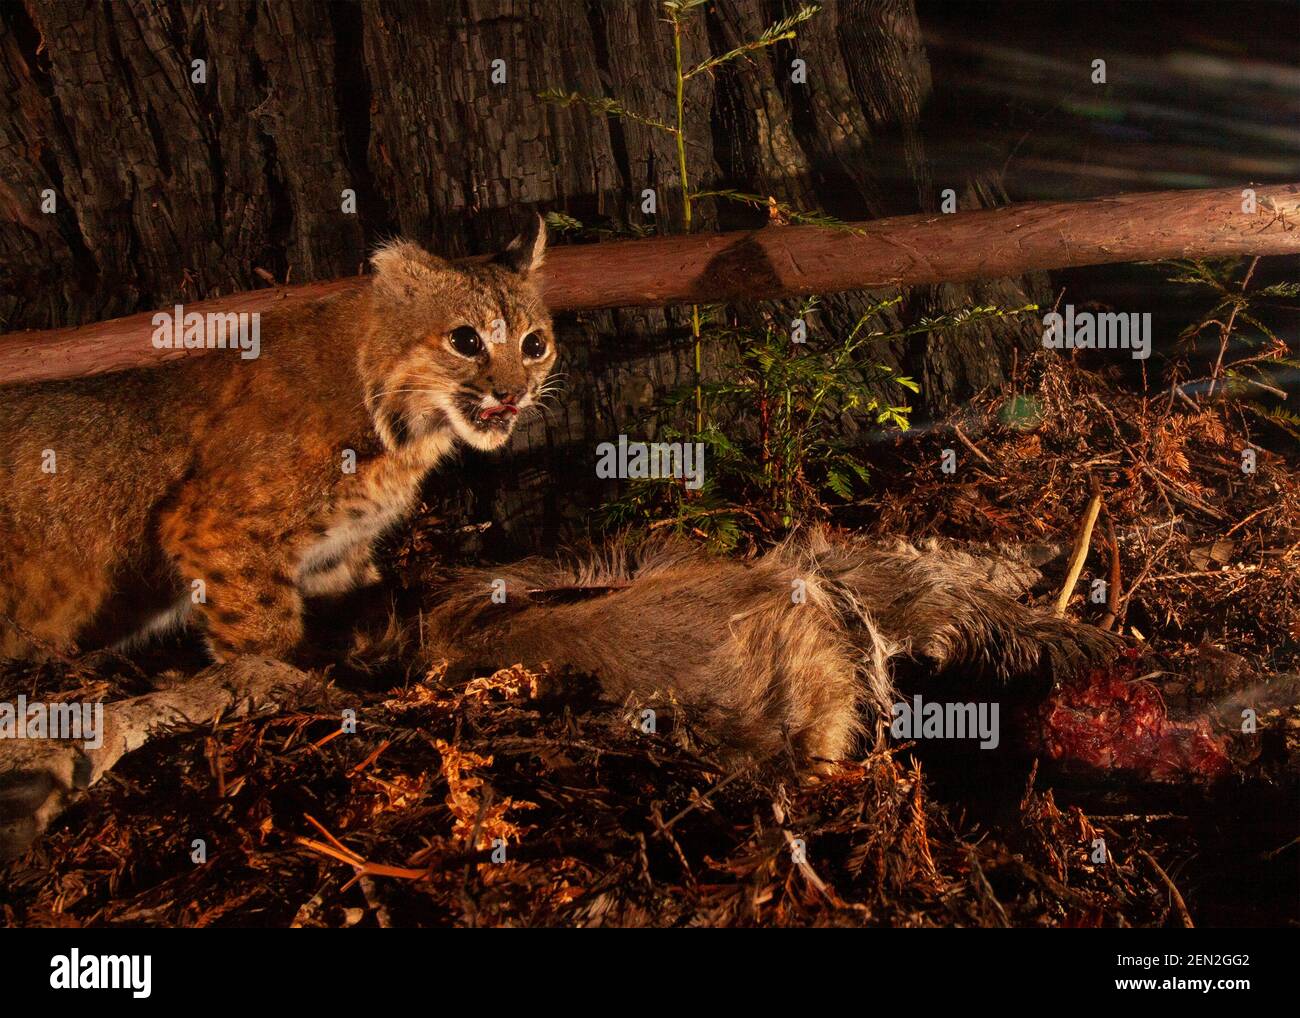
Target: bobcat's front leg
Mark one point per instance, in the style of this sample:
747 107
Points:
354 568
242 588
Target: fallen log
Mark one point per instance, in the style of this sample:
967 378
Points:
783 261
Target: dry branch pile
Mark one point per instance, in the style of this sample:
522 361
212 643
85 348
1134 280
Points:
602 825
1206 552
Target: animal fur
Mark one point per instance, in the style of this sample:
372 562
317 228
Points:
224 491
730 638
726 637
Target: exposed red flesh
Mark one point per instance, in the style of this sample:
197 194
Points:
1110 720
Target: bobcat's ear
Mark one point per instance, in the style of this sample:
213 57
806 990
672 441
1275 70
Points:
403 269
524 254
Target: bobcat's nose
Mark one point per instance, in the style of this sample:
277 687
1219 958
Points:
508 398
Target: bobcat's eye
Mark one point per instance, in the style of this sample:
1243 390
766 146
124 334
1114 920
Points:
534 346
465 341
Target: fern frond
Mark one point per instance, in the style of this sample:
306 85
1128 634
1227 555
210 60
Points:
562 223
1287 420
602 104
771 36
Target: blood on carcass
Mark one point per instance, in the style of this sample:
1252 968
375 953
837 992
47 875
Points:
1111 720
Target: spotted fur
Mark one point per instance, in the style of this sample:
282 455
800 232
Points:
214 489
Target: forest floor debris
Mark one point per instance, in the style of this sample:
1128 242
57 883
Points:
519 800
466 808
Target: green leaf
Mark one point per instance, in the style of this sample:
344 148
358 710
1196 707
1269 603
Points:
838 481
1284 419
561 223
814 218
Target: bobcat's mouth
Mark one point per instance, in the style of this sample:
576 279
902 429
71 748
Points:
491 423
491 418
488 416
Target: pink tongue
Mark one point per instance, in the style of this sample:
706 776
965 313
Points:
492 411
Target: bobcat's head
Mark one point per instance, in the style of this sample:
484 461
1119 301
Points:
459 348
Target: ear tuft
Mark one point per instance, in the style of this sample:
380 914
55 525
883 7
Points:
525 253
403 268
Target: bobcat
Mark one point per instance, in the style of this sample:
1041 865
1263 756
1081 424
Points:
232 489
